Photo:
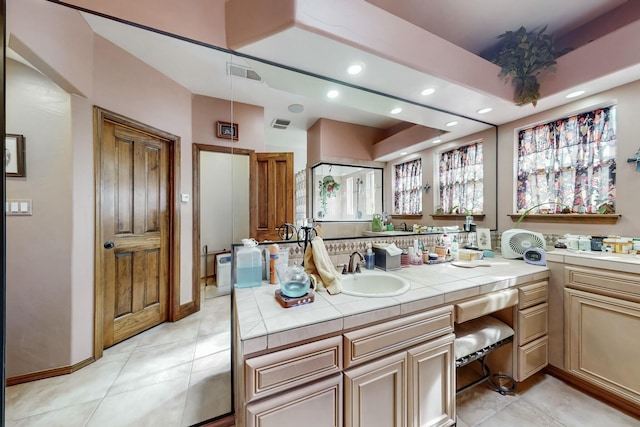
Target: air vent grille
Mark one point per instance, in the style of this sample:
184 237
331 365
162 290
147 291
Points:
280 123
244 72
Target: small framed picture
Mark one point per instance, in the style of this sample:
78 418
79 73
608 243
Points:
14 155
226 130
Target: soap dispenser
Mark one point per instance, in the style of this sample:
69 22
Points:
369 258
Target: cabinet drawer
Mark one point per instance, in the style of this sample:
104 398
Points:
485 304
375 341
533 294
533 323
285 369
315 405
532 358
603 282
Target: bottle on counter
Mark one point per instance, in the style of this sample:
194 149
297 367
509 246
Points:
369 258
249 264
454 248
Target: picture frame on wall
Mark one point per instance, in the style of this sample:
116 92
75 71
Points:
227 130
14 155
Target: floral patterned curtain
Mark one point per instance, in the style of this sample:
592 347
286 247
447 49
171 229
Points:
407 188
569 163
461 179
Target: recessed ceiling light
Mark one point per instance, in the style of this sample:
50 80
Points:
435 141
354 69
333 93
453 123
428 91
396 110
574 94
484 110
296 108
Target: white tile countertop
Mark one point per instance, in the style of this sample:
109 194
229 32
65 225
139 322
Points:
261 323
609 261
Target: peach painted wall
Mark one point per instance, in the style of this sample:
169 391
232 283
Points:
334 139
250 119
125 85
201 20
627 97
39 247
60 333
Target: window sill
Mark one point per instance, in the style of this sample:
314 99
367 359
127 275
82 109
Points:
398 216
568 218
479 217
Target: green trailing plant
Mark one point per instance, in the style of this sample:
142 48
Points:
565 209
522 56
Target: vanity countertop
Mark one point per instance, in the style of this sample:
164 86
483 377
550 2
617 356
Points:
261 323
609 261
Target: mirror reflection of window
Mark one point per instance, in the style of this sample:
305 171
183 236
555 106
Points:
460 177
346 193
407 188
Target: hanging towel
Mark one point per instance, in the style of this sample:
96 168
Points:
318 266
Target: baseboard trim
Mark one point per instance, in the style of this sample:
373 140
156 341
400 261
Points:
187 310
595 391
49 373
227 421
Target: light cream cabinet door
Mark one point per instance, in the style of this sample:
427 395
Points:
316 405
375 393
432 382
602 342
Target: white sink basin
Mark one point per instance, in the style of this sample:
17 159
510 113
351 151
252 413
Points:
374 284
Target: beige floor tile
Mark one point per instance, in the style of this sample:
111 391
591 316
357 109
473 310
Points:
203 399
85 385
521 414
155 364
76 415
160 404
574 408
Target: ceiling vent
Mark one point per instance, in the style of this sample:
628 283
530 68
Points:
244 72
280 123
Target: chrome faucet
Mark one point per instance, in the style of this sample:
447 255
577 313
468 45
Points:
354 268
404 226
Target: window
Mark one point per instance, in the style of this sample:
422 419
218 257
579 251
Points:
460 175
568 163
407 195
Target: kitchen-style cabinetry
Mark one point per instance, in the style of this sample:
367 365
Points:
271 381
531 328
413 384
602 320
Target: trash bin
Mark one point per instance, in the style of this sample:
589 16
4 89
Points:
223 270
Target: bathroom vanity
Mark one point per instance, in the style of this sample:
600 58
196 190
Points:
348 360
595 316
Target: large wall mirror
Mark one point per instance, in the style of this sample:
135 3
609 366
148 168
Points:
186 89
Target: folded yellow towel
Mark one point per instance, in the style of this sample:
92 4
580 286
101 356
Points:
318 266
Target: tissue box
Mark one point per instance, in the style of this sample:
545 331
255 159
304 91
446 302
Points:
468 255
385 261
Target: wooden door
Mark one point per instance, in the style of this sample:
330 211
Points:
271 203
134 180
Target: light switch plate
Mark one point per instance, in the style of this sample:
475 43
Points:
184 198
18 207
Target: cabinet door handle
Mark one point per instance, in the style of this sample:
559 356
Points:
109 245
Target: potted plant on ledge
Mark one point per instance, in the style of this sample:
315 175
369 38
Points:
524 55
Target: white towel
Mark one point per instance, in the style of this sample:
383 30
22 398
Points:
318 266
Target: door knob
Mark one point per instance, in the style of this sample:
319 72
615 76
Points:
109 245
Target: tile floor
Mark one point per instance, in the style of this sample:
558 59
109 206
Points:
170 375
542 400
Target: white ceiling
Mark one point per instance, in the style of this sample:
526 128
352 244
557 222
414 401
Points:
471 25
